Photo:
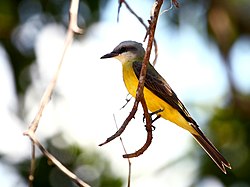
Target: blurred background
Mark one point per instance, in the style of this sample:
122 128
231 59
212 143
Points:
204 54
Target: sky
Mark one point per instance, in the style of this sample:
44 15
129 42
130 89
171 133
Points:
91 93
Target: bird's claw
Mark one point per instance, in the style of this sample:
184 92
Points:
153 120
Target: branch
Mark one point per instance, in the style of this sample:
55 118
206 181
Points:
124 125
73 28
71 175
176 3
151 32
69 38
139 92
141 21
32 165
149 132
129 163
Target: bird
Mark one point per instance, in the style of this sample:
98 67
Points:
159 96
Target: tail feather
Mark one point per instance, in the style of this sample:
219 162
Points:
211 150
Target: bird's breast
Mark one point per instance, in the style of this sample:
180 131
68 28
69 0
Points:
154 103
130 79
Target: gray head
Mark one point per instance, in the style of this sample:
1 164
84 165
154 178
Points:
127 51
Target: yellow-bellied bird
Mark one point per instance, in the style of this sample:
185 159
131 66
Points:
159 96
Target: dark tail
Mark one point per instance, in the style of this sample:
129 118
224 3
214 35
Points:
211 150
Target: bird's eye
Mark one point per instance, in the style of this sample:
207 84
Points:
123 49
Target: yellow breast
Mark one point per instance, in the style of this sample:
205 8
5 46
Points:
154 103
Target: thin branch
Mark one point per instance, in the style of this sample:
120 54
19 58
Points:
127 101
170 7
176 3
32 165
133 12
139 91
71 175
123 146
73 12
124 125
129 172
141 21
69 38
156 53
73 28
149 132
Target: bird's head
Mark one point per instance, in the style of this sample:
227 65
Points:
127 51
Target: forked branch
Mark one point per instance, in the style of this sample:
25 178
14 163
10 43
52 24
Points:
139 93
73 28
141 21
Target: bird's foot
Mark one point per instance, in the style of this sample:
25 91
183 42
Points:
153 120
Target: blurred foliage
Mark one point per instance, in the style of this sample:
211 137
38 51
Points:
229 130
88 165
224 23
21 21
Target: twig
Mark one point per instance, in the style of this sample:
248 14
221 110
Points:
151 31
73 12
176 3
127 101
32 165
129 172
71 175
140 96
169 8
156 53
139 91
69 38
73 28
133 12
124 125
141 21
149 133
123 146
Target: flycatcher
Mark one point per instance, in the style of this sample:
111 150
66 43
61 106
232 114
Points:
159 96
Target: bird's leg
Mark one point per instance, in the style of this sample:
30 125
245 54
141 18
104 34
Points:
153 113
157 117
156 112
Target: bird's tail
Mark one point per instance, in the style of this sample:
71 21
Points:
211 150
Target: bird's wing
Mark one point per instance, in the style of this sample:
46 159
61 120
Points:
157 84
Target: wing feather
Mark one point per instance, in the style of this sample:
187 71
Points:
157 84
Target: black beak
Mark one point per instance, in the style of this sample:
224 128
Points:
110 55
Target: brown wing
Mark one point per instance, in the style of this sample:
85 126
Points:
157 84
